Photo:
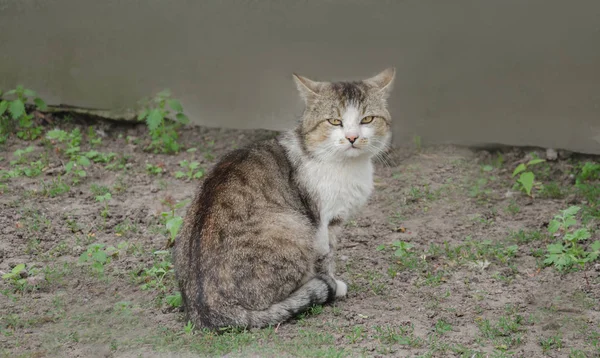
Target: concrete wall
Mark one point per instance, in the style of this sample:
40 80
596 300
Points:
523 72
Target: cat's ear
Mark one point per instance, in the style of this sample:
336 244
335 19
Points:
384 81
307 88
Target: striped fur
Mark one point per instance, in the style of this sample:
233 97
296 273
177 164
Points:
257 244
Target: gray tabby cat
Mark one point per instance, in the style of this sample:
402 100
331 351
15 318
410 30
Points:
256 247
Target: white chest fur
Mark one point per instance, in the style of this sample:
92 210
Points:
340 188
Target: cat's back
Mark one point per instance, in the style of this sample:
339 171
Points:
247 185
242 172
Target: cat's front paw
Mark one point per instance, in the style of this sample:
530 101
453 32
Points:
341 289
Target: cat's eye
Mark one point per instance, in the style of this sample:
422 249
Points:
367 120
334 122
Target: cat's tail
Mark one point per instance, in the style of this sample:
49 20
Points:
319 290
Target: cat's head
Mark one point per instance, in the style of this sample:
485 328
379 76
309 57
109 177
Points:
345 119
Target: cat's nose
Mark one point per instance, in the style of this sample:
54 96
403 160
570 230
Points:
352 138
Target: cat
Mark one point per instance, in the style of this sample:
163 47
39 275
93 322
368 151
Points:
257 243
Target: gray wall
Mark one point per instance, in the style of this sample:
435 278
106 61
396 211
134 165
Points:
523 72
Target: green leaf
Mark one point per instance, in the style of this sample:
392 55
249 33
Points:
175 105
571 211
154 119
181 204
555 248
29 93
595 253
581 234
99 256
174 300
40 104
142 115
526 179
173 225
569 222
198 174
535 161
16 108
519 169
17 269
179 175
3 107
182 118
69 166
57 134
487 168
14 272
83 161
380 247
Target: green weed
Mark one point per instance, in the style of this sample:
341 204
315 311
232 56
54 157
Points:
97 257
15 277
192 170
157 276
505 333
77 161
174 300
526 181
13 114
54 187
154 169
104 199
163 116
569 251
402 335
554 342
442 326
172 221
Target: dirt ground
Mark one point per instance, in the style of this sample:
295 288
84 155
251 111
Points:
470 283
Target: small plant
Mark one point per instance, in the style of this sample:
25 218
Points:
402 335
570 250
442 326
174 300
93 137
188 329
13 114
505 333
98 190
526 181
99 157
154 169
104 199
98 257
55 187
554 342
587 185
15 278
173 222
77 161
564 220
154 277
192 170
163 116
